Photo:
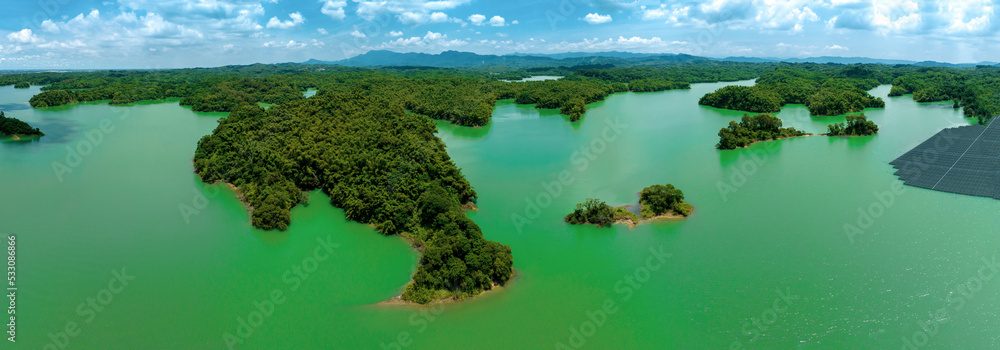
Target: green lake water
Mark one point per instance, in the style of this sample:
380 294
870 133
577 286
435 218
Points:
764 262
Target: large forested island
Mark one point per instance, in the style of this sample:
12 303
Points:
16 128
383 166
366 140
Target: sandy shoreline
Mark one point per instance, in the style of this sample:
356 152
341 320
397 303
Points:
470 206
668 216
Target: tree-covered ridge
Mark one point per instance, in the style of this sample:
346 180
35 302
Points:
13 126
658 200
381 165
702 72
754 129
823 90
857 125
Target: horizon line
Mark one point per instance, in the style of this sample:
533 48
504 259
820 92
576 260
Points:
522 54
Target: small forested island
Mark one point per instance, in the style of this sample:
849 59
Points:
754 129
596 212
22 85
16 129
663 201
655 202
857 125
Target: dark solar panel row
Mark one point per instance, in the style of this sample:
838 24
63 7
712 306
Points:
963 160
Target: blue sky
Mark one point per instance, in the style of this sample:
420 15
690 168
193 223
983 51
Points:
204 33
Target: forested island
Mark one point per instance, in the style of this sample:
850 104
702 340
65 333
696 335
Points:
857 125
663 201
655 202
16 129
596 212
753 129
22 85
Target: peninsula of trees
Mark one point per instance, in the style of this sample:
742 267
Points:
22 85
857 125
14 127
754 129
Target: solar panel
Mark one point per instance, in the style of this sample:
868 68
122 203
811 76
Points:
963 160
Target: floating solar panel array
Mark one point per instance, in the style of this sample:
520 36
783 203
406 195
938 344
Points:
963 160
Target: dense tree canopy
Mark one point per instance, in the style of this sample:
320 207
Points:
823 90
596 212
662 199
743 98
857 125
753 129
22 85
13 126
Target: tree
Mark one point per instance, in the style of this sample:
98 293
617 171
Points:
592 211
661 199
857 125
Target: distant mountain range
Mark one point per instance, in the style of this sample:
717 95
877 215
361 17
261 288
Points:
452 59
852 60
455 59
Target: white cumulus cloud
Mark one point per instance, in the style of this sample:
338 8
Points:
295 20
23 36
595 18
497 21
477 19
334 9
